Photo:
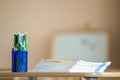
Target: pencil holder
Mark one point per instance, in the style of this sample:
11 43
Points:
19 61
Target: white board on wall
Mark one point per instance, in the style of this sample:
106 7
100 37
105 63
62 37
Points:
90 46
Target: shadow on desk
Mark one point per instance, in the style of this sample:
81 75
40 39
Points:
6 78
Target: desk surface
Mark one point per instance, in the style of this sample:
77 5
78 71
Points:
107 73
58 74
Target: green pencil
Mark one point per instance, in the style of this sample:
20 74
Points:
19 42
15 41
26 41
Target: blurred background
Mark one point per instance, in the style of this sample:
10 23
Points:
43 19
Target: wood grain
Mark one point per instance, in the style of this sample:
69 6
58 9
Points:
58 74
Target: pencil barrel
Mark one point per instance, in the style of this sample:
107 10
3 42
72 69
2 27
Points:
19 61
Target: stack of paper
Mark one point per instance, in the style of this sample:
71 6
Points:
53 66
72 66
84 66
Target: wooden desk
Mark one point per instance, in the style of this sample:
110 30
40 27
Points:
85 76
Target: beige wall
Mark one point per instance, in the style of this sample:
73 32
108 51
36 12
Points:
42 18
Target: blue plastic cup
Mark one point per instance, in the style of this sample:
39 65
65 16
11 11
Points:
19 61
